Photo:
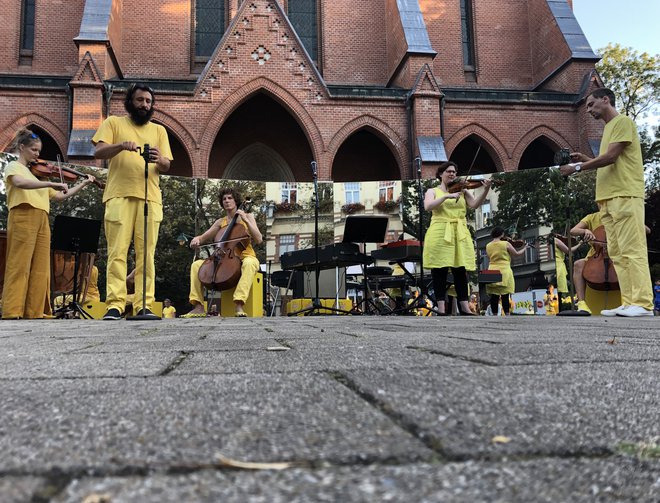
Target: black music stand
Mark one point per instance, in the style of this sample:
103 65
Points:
76 235
365 229
316 307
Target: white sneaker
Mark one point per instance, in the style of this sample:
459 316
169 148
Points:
612 312
634 311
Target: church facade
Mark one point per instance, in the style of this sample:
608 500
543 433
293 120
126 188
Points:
258 89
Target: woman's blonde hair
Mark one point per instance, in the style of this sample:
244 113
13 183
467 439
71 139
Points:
24 136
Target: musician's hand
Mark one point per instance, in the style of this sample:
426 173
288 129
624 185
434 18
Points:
579 157
88 180
131 146
588 235
455 195
154 154
487 182
567 169
195 242
60 187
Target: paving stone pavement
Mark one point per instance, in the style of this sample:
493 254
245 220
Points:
362 409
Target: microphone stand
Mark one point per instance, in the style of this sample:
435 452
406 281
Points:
143 315
571 290
420 301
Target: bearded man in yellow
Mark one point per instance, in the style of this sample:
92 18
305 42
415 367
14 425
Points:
120 139
620 198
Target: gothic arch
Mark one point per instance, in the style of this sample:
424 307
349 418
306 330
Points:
279 94
534 134
378 127
273 166
495 149
38 120
177 129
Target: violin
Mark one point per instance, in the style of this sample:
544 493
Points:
44 170
516 243
222 270
458 184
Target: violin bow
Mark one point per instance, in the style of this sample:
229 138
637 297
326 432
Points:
473 160
59 168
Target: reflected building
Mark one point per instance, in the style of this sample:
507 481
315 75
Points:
257 89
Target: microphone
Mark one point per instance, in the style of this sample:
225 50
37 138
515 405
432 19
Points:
418 160
145 152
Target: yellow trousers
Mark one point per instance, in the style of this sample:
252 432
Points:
249 268
623 218
124 221
27 270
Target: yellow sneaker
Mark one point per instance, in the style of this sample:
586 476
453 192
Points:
582 306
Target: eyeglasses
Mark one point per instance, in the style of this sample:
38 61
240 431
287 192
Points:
34 136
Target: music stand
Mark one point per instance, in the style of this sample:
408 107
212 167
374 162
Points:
76 235
365 229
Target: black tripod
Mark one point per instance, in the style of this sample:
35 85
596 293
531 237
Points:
316 308
419 301
573 311
76 235
365 229
144 315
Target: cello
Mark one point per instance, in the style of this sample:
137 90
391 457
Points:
599 272
222 270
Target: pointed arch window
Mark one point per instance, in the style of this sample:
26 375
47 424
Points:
27 30
210 21
303 17
467 29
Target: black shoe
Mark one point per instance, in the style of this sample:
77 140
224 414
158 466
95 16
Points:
112 314
146 314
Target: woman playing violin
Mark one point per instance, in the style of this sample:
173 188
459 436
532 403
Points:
27 269
500 251
448 243
231 201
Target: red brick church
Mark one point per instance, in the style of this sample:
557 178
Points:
257 89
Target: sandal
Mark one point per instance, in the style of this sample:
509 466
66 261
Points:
241 314
193 315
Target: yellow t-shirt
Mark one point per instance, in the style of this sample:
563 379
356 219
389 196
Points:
126 169
37 198
624 178
169 312
593 222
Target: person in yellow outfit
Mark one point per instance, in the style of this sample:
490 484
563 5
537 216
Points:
551 301
620 198
584 228
27 267
448 243
169 311
120 139
499 257
561 252
230 200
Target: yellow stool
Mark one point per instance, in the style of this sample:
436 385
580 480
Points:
598 300
295 305
97 309
254 305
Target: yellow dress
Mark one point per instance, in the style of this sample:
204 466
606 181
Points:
499 259
562 273
448 242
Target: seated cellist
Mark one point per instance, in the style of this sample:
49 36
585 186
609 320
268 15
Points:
230 201
585 228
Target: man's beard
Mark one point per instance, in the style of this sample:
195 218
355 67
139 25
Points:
139 115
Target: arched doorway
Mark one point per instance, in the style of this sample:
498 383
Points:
464 157
182 165
538 154
364 157
261 140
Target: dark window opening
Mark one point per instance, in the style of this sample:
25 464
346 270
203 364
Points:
27 31
302 14
467 29
209 27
